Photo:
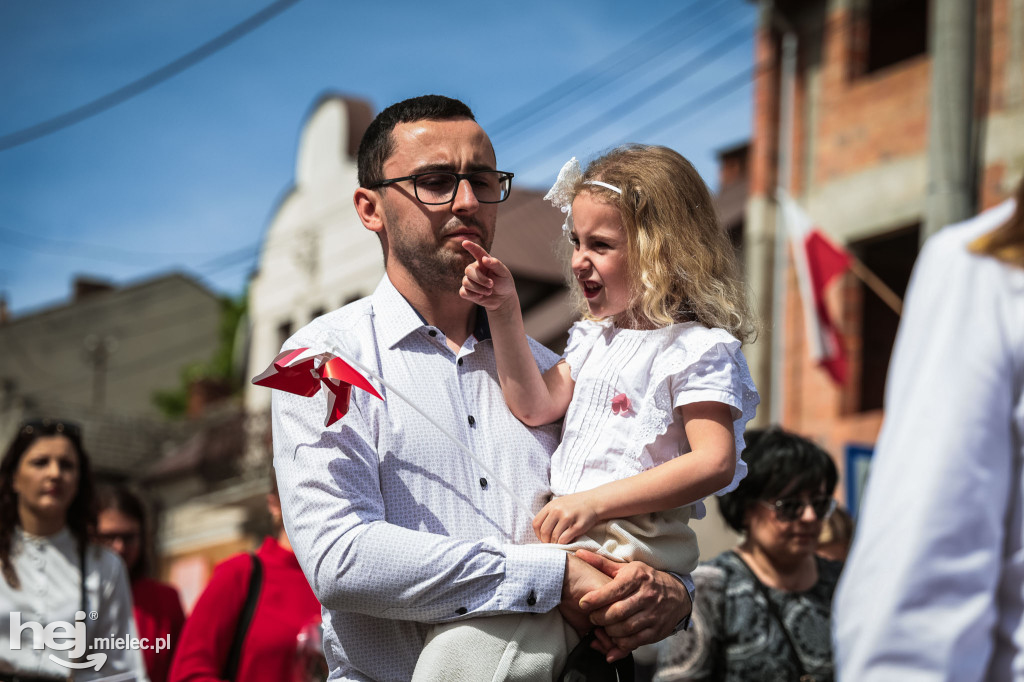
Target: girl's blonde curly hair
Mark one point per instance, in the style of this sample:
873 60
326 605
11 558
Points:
683 265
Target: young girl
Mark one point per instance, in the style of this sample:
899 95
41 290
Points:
653 386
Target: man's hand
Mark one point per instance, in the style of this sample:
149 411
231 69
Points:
565 518
487 281
638 606
580 580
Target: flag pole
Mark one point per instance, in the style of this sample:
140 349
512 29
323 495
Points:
875 283
787 87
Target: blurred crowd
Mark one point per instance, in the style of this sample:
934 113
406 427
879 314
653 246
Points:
74 551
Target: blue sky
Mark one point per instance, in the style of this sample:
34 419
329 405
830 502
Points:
185 175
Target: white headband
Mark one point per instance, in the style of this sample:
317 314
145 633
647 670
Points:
561 193
604 184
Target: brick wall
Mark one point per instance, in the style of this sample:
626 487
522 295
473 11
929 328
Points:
862 121
866 119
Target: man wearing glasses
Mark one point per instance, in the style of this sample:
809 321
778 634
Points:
394 527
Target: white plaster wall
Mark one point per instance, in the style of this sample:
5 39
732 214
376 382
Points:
316 254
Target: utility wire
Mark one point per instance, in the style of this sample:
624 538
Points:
45 245
229 260
702 102
104 248
520 117
602 120
147 82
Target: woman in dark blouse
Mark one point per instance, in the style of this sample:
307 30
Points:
762 611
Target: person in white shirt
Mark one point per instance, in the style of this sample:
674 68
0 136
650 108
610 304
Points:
64 602
394 527
934 585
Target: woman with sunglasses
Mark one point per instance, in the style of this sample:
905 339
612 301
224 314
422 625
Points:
762 611
121 526
65 601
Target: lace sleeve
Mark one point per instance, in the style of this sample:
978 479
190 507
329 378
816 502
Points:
720 374
698 365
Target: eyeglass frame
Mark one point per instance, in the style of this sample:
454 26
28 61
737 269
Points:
459 177
774 506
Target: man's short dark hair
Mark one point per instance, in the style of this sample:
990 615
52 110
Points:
777 462
377 144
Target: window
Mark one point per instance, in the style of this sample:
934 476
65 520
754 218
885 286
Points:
891 257
284 332
896 30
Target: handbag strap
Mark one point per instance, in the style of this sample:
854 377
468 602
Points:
774 611
244 619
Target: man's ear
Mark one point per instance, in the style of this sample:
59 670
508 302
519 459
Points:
369 209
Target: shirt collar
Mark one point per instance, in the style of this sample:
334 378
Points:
395 318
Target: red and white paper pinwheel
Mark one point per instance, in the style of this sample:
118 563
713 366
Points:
296 371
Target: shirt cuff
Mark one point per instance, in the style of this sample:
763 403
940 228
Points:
691 589
533 578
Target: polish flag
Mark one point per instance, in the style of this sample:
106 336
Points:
818 262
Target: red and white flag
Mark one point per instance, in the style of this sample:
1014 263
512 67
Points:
818 262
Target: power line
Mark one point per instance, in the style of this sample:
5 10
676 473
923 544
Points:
602 120
716 94
520 117
114 250
147 82
110 254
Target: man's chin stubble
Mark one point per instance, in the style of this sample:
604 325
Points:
442 268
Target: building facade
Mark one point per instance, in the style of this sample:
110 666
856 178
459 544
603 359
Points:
100 360
902 109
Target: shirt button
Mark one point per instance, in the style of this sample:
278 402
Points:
433 332
471 420
483 482
460 362
532 599
462 611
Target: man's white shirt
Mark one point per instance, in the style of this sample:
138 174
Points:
394 526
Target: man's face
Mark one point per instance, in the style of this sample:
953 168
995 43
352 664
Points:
427 240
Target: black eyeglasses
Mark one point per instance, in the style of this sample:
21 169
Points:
440 187
792 508
50 427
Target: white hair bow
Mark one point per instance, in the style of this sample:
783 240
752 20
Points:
561 193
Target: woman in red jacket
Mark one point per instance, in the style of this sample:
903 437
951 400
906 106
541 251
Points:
267 632
121 526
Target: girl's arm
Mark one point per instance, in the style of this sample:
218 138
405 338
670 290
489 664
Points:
534 398
676 483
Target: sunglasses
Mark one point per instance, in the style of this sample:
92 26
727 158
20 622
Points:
792 508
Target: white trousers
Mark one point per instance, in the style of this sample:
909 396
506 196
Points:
534 646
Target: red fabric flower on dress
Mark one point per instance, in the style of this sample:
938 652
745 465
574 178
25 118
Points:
621 404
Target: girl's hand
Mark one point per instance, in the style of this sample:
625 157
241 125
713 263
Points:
565 518
487 281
